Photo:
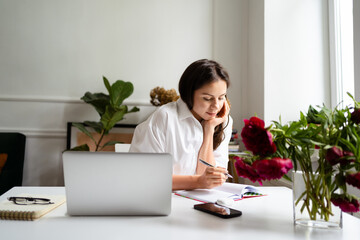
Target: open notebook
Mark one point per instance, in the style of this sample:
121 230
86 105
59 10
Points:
227 190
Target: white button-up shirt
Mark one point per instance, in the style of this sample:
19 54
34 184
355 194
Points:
173 129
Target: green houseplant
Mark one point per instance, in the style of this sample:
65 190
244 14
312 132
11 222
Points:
110 109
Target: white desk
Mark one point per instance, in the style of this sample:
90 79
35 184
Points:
268 217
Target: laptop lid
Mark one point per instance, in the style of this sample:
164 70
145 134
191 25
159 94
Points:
110 183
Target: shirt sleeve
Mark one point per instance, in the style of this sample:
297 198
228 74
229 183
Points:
221 154
149 136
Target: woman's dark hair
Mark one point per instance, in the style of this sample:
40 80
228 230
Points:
195 76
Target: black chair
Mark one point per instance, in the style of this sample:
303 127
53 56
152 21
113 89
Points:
12 150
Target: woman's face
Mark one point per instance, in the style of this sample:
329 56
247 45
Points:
209 99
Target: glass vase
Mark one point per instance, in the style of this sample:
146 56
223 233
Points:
310 208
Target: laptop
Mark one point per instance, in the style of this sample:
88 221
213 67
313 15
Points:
111 183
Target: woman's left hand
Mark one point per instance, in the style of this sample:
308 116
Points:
219 119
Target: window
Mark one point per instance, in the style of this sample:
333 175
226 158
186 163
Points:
341 51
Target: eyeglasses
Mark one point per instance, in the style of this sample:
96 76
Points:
29 200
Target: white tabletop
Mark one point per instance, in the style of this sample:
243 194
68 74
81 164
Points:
267 217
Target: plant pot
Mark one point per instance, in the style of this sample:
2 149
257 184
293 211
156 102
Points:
312 209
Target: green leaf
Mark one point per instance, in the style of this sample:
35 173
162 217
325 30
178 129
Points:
134 109
98 100
122 108
294 126
120 90
111 117
83 147
286 177
303 118
357 104
316 143
97 126
107 84
340 180
83 129
313 115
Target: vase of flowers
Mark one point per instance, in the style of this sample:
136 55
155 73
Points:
308 212
323 148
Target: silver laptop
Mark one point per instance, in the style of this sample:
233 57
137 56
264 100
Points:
110 183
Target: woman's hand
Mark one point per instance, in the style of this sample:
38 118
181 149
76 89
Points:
206 149
212 177
219 119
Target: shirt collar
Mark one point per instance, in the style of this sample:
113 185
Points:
183 110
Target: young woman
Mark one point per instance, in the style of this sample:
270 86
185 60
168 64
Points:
197 126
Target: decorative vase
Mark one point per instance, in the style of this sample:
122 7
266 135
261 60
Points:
312 206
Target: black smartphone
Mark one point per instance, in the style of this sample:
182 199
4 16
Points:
217 210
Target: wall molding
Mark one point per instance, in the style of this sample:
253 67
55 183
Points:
61 99
37 132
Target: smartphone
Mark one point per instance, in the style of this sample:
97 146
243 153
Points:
217 210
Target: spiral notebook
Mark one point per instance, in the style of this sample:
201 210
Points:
12 211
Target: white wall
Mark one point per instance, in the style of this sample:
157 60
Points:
288 58
52 52
254 87
356 6
296 57
230 40
62 48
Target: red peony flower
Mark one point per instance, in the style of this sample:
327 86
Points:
344 203
355 116
333 155
272 168
353 179
256 138
245 170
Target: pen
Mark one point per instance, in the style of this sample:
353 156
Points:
208 164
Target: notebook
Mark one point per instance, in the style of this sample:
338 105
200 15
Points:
12 211
110 183
227 190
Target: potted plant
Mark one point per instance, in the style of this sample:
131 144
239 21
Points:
323 146
110 109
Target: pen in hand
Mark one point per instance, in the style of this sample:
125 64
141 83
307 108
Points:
209 165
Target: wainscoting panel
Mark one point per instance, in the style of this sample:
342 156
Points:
43 121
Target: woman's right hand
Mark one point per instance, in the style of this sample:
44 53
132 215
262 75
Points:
212 177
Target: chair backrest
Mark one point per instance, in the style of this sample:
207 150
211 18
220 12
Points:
12 150
122 147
